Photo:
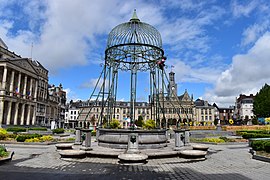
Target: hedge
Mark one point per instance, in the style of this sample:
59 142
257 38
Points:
16 129
261 145
267 146
22 138
255 135
241 132
58 131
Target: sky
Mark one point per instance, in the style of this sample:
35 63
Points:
219 49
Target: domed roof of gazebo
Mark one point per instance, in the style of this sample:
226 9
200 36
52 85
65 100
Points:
134 32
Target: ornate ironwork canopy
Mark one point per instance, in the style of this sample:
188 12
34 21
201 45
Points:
134 44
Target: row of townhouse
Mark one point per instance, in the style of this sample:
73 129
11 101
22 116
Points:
176 110
26 98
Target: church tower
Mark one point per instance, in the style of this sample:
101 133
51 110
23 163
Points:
172 86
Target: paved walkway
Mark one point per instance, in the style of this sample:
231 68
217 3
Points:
43 162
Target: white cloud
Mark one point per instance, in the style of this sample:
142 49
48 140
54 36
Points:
186 73
71 95
247 73
239 10
252 33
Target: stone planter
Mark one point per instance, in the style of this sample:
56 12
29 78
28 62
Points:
6 159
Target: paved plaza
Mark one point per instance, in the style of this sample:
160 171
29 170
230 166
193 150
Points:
43 162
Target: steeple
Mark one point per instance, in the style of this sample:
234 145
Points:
134 17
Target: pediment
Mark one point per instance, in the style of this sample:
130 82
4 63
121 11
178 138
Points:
25 64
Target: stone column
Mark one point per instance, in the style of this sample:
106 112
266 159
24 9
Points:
36 90
179 139
34 115
78 137
28 115
22 115
187 134
87 145
11 87
25 85
30 88
9 112
19 83
4 81
16 114
1 111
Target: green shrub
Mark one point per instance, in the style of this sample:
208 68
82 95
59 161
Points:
13 136
16 129
213 140
32 140
46 138
149 124
258 145
255 135
3 151
3 134
22 138
70 139
267 146
38 128
115 124
93 133
58 130
226 139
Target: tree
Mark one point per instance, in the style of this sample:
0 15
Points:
149 124
115 124
261 105
139 123
93 120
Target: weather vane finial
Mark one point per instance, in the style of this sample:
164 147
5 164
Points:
134 17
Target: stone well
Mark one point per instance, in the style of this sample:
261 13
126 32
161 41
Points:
118 138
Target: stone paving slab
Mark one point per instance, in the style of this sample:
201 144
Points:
223 162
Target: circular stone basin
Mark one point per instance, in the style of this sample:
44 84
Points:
63 146
72 154
132 158
200 147
193 154
118 138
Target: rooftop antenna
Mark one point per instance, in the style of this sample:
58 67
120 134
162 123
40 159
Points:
31 51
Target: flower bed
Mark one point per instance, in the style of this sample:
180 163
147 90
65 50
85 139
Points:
238 128
202 127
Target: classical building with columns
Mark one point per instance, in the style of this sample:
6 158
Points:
24 98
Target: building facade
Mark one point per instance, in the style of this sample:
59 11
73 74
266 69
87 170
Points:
244 108
205 113
24 98
224 114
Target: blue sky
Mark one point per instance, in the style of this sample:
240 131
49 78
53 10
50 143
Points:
220 49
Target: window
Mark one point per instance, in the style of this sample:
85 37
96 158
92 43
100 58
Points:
71 112
75 112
